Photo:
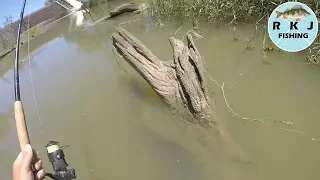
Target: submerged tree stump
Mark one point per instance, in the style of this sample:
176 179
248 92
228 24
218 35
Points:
180 82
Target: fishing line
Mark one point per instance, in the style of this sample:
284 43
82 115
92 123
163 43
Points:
263 121
30 73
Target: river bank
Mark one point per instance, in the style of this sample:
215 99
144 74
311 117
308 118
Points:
233 14
25 37
45 26
36 31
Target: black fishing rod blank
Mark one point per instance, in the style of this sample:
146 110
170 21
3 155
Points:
16 64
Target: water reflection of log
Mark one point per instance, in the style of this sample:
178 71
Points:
181 84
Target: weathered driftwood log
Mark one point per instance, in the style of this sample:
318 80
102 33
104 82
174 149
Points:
181 83
127 7
178 82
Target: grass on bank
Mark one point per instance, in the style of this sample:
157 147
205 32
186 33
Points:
231 12
92 3
28 34
31 33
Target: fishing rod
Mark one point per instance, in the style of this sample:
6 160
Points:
22 130
54 152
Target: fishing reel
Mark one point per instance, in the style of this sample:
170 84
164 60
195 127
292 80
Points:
59 164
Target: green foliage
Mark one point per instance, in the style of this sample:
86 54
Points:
231 11
48 2
7 35
32 32
91 3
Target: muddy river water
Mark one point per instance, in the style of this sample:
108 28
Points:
117 127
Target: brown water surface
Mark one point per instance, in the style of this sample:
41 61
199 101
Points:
117 127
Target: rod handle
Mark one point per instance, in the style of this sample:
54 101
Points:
21 125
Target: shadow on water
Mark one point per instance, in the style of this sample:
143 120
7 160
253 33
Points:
141 91
203 145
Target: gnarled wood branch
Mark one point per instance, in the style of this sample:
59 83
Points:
177 82
180 83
